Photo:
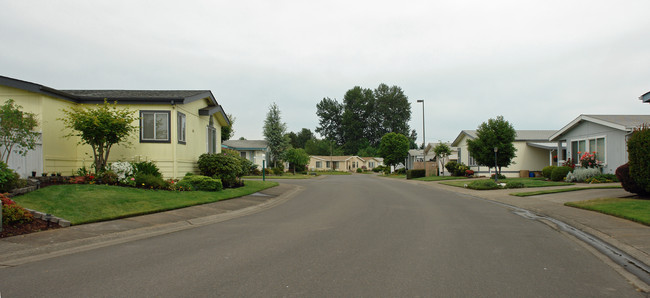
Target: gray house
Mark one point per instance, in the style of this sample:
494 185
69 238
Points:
604 134
253 150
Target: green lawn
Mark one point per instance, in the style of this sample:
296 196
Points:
550 191
84 203
439 178
632 209
528 182
396 176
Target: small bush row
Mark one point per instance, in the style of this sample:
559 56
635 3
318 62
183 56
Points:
12 213
412 174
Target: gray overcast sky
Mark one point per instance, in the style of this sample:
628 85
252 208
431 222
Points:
540 64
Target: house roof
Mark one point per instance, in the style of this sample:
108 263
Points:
123 96
521 135
246 144
645 97
620 122
336 158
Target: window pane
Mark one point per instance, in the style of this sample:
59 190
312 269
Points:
162 128
574 151
600 149
592 145
147 126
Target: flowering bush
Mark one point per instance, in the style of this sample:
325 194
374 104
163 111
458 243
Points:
569 163
588 160
469 173
12 213
123 169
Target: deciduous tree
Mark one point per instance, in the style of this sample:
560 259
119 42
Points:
297 157
101 127
495 133
16 130
394 148
442 150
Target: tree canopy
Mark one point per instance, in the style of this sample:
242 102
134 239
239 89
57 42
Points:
394 148
495 133
274 134
297 158
298 140
16 130
228 132
101 127
359 123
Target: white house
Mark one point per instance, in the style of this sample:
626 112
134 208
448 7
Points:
253 150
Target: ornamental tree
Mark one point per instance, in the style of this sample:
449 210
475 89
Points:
274 134
16 130
638 148
101 127
394 148
495 133
442 150
297 157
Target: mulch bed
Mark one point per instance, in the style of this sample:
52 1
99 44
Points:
35 226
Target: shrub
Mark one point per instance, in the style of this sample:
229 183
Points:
500 176
12 213
8 178
638 148
222 166
359 170
278 171
146 168
546 171
411 174
378 169
400 171
559 173
602 178
123 169
582 174
483 185
623 175
588 160
199 182
469 173
109 177
515 184
150 181
456 169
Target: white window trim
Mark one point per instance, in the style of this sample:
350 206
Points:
570 147
154 140
182 128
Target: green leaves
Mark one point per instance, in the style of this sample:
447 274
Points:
274 133
394 148
495 133
16 130
100 127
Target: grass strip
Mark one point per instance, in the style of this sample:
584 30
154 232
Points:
84 203
632 209
551 191
439 178
528 182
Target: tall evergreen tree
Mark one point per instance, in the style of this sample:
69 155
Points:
274 134
330 114
358 106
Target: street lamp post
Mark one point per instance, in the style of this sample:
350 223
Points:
263 167
496 174
423 134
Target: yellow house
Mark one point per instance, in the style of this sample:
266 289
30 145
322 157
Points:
534 152
175 127
343 163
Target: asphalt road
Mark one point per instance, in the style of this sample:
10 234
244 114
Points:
343 236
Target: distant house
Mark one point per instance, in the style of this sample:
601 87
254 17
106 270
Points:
253 150
343 163
453 156
534 152
604 134
175 127
417 156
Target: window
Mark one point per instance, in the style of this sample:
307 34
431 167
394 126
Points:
471 161
154 126
242 154
212 137
181 128
371 164
319 164
579 147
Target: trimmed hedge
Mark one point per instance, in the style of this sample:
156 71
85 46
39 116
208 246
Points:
202 183
547 171
483 185
411 174
559 173
628 183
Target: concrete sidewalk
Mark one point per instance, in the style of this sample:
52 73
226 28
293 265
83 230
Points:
628 236
42 245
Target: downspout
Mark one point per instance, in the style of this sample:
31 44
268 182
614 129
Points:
174 144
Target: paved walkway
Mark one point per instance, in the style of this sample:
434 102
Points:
628 236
